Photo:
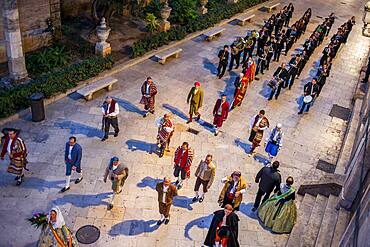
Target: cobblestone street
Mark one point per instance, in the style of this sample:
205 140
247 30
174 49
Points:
132 222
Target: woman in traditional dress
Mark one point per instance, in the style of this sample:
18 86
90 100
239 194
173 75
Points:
56 233
257 125
274 142
241 86
280 212
165 130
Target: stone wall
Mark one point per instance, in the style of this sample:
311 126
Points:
74 8
354 198
32 20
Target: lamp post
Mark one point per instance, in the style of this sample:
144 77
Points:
366 20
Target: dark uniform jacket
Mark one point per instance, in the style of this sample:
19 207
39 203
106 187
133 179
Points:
268 178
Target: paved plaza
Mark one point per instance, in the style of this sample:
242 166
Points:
131 223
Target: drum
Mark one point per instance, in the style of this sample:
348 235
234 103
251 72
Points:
272 84
307 99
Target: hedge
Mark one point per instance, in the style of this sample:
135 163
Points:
202 22
17 98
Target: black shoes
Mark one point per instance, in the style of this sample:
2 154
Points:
19 180
65 189
159 222
166 221
110 206
104 138
78 180
115 134
195 199
201 199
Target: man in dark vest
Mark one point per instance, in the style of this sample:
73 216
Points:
110 112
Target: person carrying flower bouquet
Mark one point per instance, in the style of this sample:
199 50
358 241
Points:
54 231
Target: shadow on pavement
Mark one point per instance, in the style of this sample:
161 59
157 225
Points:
261 159
149 182
243 145
78 128
41 184
82 201
133 227
229 87
128 106
175 111
202 223
135 145
246 209
183 202
207 64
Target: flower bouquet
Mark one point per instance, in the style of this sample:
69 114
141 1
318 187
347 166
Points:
39 219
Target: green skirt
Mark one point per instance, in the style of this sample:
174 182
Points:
279 220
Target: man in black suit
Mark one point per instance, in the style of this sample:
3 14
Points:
223 55
279 45
267 178
293 69
281 75
312 89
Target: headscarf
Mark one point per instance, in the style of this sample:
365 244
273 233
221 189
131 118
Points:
59 223
197 84
113 159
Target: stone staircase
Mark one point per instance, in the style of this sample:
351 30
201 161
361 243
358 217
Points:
319 223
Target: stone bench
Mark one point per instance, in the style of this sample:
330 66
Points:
162 57
213 33
88 91
243 19
271 7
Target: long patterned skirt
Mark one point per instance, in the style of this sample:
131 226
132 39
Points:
280 218
16 166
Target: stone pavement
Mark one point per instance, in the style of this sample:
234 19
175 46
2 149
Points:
132 222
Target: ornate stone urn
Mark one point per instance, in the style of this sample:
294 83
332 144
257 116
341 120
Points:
102 48
165 13
203 10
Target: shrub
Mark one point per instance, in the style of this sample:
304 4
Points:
154 8
183 11
214 16
47 59
16 99
151 23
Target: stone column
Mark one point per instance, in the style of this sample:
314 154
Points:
55 17
165 25
203 10
13 41
102 48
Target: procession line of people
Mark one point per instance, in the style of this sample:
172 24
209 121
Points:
278 212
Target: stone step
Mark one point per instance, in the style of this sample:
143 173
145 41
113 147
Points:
303 216
313 226
328 223
340 226
298 200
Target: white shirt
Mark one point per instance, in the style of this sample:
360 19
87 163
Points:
147 89
165 190
70 152
224 220
9 147
112 114
224 180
